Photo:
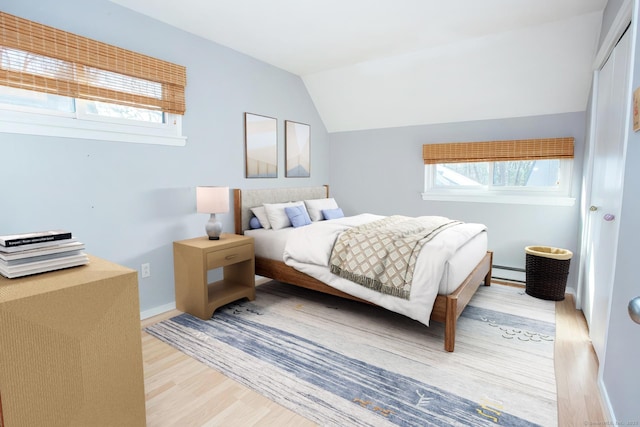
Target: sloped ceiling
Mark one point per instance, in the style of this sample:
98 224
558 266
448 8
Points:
387 63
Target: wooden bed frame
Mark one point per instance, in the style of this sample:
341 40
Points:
446 309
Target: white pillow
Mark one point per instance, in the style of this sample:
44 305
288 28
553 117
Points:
261 214
278 218
316 206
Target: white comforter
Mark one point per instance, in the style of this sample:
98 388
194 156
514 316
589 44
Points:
308 249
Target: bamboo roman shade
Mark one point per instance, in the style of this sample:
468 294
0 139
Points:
44 59
498 151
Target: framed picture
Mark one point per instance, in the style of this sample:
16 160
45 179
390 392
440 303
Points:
297 147
261 146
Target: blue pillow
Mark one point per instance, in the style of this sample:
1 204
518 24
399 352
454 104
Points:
298 215
254 223
332 213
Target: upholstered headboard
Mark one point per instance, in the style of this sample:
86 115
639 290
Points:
244 200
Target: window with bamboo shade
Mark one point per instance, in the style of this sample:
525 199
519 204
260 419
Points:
44 59
116 84
493 170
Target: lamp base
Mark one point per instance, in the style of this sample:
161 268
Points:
213 228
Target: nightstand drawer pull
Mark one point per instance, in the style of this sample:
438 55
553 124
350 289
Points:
230 257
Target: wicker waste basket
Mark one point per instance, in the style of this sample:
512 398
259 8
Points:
547 269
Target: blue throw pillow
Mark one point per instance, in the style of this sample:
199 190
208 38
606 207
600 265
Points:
254 223
298 215
332 213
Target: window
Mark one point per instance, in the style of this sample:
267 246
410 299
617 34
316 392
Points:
60 84
114 112
516 171
27 100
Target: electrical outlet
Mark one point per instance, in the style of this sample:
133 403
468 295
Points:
145 270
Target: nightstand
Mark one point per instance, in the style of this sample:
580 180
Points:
193 258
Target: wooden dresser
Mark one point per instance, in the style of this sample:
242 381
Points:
70 348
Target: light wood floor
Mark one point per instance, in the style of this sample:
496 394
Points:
181 391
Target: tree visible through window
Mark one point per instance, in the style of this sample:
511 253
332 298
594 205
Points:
527 173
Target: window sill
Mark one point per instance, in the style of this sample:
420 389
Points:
505 199
70 127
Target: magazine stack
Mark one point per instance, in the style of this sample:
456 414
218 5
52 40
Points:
32 253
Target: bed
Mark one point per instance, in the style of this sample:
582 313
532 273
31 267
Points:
461 276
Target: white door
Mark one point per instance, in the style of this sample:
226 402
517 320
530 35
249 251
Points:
605 199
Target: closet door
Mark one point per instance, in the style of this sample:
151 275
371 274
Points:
605 198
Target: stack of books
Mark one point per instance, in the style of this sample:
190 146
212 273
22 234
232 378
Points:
31 253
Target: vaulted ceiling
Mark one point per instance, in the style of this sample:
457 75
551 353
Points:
388 63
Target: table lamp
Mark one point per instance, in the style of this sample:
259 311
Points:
212 200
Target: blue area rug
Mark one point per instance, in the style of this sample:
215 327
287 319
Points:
343 363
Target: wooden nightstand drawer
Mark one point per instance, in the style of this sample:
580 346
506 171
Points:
229 256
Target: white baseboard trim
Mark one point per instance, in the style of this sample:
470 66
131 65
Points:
606 403
572 291
157 310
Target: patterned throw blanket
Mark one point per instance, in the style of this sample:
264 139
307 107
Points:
382 255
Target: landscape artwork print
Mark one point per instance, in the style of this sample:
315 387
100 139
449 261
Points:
261 146
297 141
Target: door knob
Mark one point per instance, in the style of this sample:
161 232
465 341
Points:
634 309
593 208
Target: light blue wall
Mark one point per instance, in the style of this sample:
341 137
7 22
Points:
129 202
382 171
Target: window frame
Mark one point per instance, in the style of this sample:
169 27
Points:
559 196
55 123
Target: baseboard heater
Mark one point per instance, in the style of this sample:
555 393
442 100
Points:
512 274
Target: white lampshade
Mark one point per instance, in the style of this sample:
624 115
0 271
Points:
212 199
